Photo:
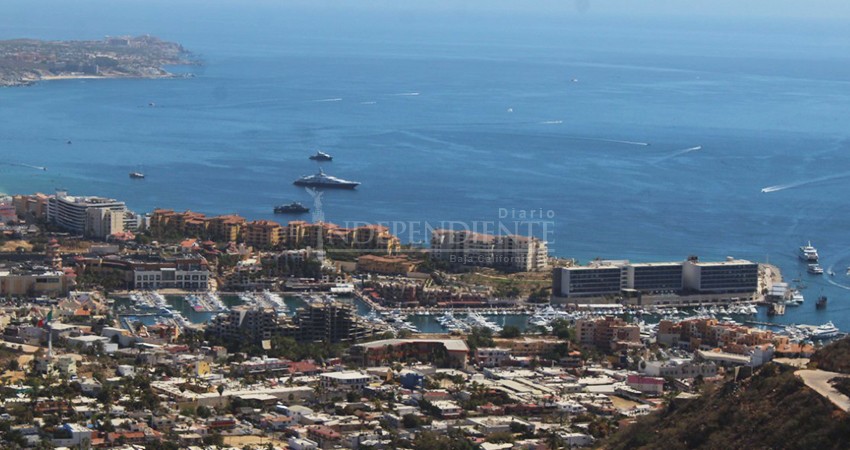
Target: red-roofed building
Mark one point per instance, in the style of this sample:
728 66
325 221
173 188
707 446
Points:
647 385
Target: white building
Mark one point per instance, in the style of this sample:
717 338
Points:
680 368
491 356
296 443
448 408
80 437
71 212
346 381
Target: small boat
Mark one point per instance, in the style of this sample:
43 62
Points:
821 303
321 156
292 208
815 269
137 175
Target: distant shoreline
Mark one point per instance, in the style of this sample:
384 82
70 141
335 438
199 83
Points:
24 62
33 80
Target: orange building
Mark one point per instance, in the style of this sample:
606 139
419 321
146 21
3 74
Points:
263 234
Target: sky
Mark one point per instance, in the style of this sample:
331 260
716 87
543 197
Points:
832 9
827 9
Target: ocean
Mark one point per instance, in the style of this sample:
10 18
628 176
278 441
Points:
648 139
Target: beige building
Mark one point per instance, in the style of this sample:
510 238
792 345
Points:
519 253
263 234
35 204
25 283
102 222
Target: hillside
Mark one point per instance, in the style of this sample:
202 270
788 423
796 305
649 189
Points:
771 410
835 357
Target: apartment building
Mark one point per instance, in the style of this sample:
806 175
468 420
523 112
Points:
606 333
263 234
330 321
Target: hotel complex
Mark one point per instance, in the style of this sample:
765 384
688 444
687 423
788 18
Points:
665 283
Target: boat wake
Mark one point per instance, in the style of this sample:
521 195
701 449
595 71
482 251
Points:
337 99
407 94
836 284
551 122
679 153
614 141
368 103
782 187
28 166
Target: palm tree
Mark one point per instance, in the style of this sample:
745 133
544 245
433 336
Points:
554 441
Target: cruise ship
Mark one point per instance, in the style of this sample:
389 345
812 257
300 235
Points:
809 253
322 180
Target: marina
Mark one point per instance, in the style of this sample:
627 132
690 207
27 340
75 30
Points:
198 308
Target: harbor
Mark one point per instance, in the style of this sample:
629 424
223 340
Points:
195 309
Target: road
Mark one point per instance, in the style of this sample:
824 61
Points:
819 381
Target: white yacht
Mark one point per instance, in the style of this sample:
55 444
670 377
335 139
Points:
809 253
815 269
825 331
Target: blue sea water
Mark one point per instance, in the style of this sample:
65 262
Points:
519 113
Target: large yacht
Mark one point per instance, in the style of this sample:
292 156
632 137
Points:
809 253
825 331
321 156
322 180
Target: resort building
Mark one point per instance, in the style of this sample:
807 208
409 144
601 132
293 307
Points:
664 283
515 253
71 213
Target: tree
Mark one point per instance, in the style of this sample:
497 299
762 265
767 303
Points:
563 330
411 421
510 332
203 412
479 337
554 441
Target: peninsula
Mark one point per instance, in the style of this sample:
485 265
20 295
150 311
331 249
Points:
26 61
